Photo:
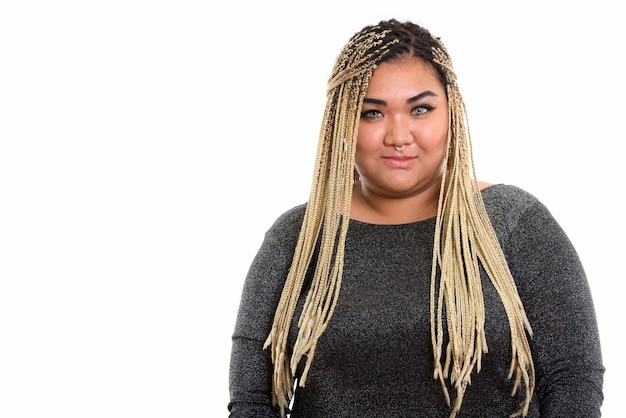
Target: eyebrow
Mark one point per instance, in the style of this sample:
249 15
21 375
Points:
409 100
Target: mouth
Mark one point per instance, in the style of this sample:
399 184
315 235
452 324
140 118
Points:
400 162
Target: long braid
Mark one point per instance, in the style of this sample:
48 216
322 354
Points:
464 236
329 202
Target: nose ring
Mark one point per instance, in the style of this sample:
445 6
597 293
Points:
399 148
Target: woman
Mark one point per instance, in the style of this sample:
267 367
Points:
440 295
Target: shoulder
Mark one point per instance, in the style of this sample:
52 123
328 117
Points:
507 204
507 196
288 224
290 218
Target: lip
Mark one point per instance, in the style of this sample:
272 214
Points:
399 162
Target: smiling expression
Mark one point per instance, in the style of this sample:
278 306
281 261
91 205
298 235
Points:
405 106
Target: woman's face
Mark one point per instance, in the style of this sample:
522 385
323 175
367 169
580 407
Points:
405 106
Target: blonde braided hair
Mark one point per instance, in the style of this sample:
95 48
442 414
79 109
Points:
464 236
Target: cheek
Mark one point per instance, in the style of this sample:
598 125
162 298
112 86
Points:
360 156
433 138
367 141
365 151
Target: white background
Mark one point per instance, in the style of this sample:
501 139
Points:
147 146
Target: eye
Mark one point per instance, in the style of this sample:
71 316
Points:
421 109
371 114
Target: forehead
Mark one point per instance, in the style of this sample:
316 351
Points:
410 73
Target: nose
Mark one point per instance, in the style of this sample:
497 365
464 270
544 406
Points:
398 133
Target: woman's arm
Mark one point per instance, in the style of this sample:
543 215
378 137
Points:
251 368
558 302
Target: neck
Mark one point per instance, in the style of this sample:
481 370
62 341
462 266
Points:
378 209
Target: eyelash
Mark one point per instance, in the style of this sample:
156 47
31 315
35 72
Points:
369 114
427 109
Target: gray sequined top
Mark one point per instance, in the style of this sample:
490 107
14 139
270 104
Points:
375 358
